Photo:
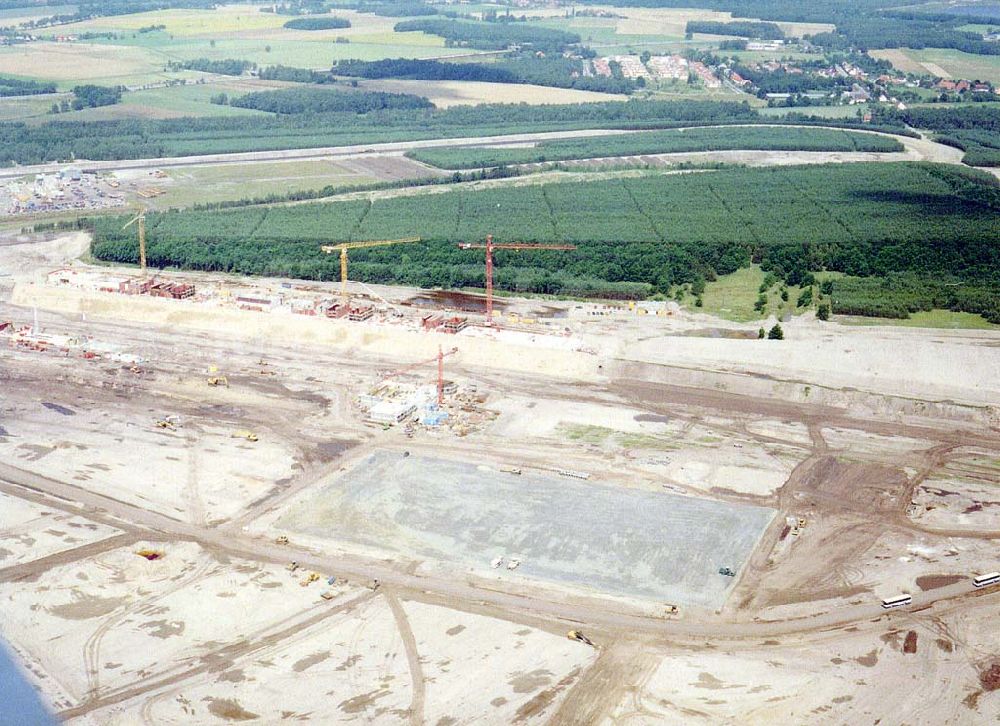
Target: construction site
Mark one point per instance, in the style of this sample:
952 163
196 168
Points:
250 499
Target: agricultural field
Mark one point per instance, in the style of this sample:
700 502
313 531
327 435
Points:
662 142
943 62
658 230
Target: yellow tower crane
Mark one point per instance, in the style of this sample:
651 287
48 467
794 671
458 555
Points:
141 219
344 246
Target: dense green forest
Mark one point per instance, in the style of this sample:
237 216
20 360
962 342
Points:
323 23
140 138
660 142
896 295
657 230
556 71
17 87
739 28
491 36
327 100
296 75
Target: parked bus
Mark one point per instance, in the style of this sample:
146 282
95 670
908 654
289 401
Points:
986 580
895 602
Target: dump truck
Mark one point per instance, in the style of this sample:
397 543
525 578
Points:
727 571
281 540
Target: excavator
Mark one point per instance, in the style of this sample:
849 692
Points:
578 636
244 434
218 381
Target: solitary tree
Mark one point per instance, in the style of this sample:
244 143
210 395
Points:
761 334
776 333
823 312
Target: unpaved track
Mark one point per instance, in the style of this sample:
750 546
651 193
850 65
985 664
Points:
419 686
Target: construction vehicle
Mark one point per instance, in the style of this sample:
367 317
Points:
327 595
727 571
578 636
310 579
218 381
510 470
376 584
141 219
150 555
490 246
244 434
165 423
670 610
343 247
292 566
281 540
513 564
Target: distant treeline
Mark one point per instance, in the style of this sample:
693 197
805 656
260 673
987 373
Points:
401 9
323 23
557 71
225 67
327 100
297 75
141 138
17 87
739 28
490 36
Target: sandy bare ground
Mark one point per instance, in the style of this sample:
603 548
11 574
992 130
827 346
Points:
218 629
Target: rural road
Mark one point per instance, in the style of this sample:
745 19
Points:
916 149
61 495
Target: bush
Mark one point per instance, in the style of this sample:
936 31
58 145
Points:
776 333
823 312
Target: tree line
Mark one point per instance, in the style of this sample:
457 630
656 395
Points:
18 87
323 23
490 36
739 28
327 100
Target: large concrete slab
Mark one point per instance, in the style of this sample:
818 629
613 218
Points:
619 541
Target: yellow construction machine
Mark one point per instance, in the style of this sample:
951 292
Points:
244 434
218 381
578 636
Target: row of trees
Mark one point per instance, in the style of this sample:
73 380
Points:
556 71
739 28
491 36
18 87
318 23
225 66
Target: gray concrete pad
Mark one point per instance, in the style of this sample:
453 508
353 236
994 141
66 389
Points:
618 541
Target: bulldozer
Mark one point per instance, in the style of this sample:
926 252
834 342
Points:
310 579
244 434
578 636
218 381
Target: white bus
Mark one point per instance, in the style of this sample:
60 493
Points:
986 580
895 602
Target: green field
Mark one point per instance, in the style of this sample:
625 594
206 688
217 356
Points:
948 319
652 230
661 142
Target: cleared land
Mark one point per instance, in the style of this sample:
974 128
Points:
459 513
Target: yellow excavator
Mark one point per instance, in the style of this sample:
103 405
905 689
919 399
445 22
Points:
244 434
578 636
